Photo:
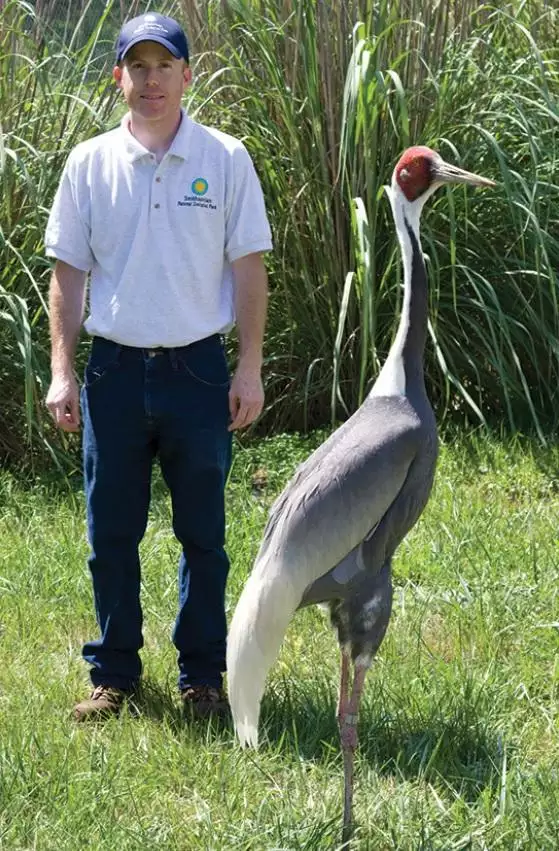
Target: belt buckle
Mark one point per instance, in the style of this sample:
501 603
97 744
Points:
151 353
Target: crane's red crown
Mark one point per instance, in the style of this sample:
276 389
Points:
414 171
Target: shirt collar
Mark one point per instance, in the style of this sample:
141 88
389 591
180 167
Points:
180 146
134 150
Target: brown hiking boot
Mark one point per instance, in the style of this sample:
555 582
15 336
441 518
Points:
204 701
103 702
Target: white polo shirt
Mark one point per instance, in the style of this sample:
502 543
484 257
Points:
158 239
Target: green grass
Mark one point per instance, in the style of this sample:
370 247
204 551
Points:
459 730
326 97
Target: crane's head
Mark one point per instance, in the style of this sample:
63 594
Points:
420 171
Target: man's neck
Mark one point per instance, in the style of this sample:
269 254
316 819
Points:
157 137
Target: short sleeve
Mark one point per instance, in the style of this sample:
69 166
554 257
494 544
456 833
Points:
67 234
247 230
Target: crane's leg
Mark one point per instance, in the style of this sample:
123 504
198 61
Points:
343 700
347 719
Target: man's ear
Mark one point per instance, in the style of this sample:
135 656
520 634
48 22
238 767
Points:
187 75
117 75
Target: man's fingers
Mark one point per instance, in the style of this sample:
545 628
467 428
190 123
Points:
239 419
245 416
66 416
254 412
246 398
75 411
63 402
234 402
70 427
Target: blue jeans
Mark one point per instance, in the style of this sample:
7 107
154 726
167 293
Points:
138 404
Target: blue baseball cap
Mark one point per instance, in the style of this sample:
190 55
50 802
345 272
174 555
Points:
152 27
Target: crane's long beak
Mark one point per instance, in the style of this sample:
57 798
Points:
446 173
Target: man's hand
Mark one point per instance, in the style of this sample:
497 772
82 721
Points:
63 401
246 396
66 298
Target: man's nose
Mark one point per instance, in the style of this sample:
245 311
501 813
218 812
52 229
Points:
151 77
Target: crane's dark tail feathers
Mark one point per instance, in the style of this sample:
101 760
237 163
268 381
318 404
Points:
265 608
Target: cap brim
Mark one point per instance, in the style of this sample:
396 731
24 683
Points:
158 39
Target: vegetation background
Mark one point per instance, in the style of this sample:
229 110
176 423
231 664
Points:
325 95
459 729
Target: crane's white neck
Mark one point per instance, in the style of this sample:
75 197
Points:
403 367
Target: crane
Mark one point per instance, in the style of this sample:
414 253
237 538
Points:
332 532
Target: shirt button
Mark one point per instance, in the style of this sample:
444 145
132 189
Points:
158 180
157 206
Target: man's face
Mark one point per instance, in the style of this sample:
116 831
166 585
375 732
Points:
152 80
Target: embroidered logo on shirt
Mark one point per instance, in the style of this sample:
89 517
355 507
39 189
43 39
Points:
199 186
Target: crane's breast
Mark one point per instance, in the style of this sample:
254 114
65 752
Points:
343 489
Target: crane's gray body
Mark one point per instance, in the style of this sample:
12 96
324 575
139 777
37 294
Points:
349 506
334 529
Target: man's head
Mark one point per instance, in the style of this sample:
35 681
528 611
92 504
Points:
152 67
152 27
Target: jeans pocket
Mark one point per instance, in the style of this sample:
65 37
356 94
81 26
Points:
206 363
104 358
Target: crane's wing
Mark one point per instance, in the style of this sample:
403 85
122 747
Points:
341 492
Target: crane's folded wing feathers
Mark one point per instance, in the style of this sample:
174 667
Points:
341 492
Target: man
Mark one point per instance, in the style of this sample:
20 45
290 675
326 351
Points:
168 218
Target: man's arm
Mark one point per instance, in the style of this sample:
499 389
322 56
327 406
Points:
66 302
246 396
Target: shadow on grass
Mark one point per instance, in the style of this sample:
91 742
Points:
446 743
162 705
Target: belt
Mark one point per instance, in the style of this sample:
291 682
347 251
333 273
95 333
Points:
159 350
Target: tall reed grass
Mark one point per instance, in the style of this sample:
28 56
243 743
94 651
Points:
51 97
325 95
